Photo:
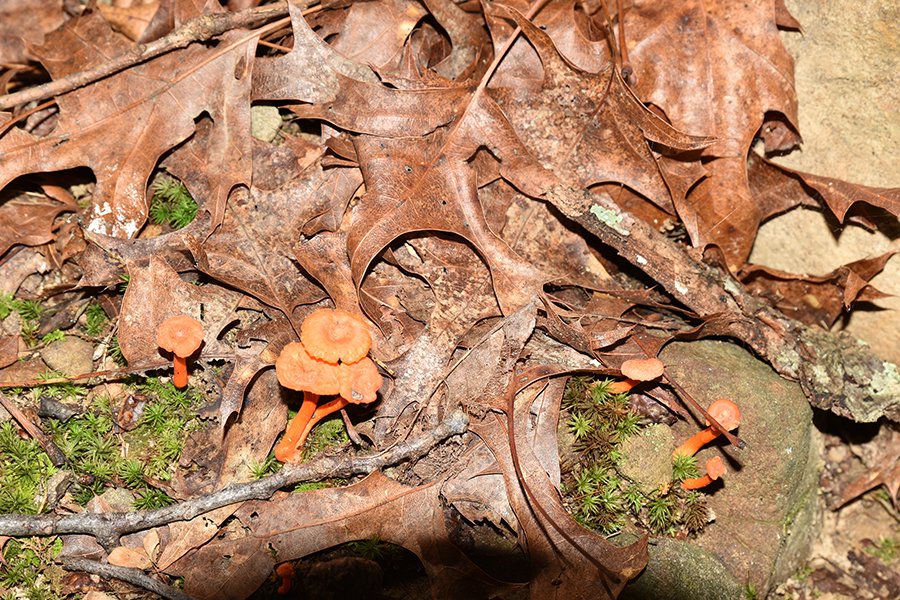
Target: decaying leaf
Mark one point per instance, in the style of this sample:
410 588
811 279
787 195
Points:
120 126
234 565
818 300
27 222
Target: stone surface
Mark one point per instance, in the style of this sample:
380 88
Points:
648 457
766 507
70 356
848 83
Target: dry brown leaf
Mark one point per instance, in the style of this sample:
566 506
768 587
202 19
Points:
601 135
130 21
732 70
121 125
296 525
28 222
24 23
817 300
253 248
374 33
133 558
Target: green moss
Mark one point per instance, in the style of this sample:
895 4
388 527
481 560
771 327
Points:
172 204
26 565
887 550
605 489
95 319
23 467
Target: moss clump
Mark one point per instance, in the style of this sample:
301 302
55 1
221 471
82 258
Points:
607 489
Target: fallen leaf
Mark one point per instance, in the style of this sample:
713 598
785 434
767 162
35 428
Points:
120 125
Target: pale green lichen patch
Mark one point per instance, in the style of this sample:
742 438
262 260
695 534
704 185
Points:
887 381
731 287
609 217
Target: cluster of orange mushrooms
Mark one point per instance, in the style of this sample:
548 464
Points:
329 360
725 412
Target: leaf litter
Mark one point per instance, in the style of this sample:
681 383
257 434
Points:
471 178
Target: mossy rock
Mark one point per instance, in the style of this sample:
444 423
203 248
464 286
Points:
765 508
648 458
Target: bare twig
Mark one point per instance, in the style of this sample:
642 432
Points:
106 374
135 577
108 527
199 29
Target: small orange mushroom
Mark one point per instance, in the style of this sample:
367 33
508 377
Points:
330 359
722 410
180 335
286 573
715 468
637 370
335 335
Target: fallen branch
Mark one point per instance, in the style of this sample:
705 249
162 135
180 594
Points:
836 372
198 29
135 577
109 527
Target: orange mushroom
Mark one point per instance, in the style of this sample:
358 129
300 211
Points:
722 410
180 335
360 382
636 371
297 370
330 359
286 572
715 468
335 335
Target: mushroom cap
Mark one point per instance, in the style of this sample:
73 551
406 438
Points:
297 370
360 381
181 335
642 369
726 413
715 468
333 335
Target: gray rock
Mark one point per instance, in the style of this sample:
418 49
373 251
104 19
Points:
648 458
70 356
766 509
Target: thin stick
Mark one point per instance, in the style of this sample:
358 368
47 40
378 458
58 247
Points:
135 577
683 393
109 527
56 456
623 47
199 29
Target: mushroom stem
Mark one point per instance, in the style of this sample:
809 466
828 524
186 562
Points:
715 468
322 412
287 450
620 387
696 482
286 572
180 375
697 441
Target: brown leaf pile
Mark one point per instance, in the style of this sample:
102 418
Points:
436 168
